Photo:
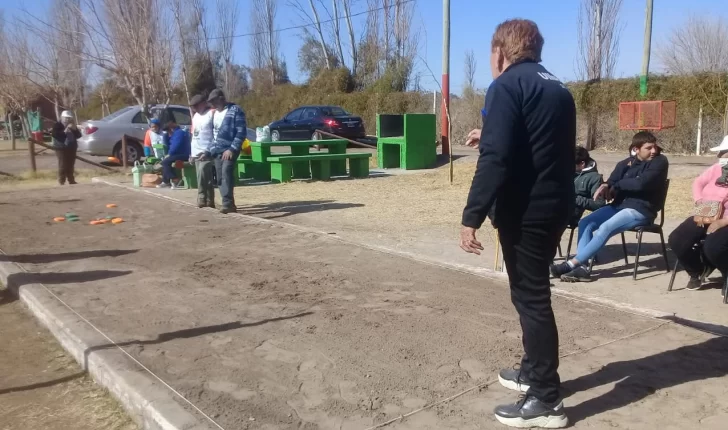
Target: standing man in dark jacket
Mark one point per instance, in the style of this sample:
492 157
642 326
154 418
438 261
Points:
65 142
636 189
526 163
229 132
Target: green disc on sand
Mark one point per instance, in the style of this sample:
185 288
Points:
70 216
109 217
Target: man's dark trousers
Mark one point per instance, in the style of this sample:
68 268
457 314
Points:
167 169
528 250
66 164
225 170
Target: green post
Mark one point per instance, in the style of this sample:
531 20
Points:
646 50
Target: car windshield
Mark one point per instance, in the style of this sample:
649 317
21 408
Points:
117 113
334 111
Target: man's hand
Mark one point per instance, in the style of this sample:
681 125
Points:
468 242
227 155
602 191
473 138
717 225
611 194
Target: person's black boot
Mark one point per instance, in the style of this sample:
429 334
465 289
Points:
514 379
530 412
559 269
579 274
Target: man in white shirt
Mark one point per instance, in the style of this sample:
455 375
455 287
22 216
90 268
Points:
202 138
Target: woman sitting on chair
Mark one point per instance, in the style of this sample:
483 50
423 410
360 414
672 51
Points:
710 192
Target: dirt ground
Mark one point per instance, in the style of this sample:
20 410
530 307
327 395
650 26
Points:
41 387
266 327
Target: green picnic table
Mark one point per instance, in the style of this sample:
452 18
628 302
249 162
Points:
261 151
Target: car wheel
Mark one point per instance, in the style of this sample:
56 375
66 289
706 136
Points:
134 152
275 135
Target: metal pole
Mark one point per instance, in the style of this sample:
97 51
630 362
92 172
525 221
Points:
646 50
444 120
434 102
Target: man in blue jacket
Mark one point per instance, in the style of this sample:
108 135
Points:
526 163
635 189
229 132
179 150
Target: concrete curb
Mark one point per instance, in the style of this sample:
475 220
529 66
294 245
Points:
148 402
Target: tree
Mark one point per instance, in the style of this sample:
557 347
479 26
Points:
699 48
598 35
311 58
227 18
314 21
265 45
471 66
129 40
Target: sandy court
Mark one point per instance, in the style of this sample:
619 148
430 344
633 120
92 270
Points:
266 327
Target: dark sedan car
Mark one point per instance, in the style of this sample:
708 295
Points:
302 123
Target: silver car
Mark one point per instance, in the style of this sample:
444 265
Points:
103 137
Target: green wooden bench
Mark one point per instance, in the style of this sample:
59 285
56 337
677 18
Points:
281 168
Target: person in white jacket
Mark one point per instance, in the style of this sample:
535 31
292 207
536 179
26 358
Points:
202 138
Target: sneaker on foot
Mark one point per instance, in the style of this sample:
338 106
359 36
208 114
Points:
560 269
579 274
529 412
694 284
163 185
514 379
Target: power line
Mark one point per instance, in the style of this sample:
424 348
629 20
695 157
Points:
297 27
236 36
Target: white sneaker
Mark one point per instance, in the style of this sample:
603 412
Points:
163 185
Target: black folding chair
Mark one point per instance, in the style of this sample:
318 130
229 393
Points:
724 288
654 228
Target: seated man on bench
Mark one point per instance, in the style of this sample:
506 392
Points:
179 150
634 189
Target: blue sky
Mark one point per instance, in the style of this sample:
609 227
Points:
473 22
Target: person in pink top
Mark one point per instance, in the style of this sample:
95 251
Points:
711 185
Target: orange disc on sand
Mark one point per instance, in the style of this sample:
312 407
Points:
117 221
111 205
59 219
102 221
95 223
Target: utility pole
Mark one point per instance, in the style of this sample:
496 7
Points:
646 50
444 121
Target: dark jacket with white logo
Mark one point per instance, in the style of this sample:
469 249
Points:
527 145
640 185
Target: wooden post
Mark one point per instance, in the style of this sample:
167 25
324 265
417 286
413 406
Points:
123 151
699 140
31 150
